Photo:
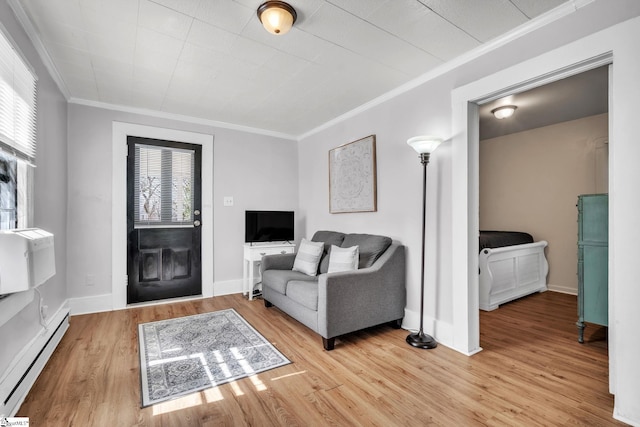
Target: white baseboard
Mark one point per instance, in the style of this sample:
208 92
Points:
622 418
92 304
562 289
411 320
29 362
104 302
441 331
227 287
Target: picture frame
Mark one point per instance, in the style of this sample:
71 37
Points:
352 177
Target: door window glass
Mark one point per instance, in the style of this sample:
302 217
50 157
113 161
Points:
163 186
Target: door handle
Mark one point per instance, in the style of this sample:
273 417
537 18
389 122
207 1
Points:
196 223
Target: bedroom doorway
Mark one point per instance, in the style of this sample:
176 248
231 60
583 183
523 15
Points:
532 167
466 101
472 135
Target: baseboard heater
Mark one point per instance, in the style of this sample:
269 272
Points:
23 373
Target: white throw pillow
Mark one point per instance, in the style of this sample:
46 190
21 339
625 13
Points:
343 259
308 257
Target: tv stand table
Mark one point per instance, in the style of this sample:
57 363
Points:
253 253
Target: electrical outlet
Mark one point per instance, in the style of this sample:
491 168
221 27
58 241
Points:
228 200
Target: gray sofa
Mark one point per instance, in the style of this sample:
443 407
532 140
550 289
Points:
334 304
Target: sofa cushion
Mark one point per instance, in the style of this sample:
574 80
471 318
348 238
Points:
343 259
308 257
329 238
304 293
278 279
370 246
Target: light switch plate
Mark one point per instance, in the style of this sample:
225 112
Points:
228 201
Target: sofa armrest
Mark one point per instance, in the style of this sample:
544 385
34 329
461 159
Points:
353 300
277 262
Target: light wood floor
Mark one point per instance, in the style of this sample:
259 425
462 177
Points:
532 372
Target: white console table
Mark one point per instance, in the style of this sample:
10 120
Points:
253 254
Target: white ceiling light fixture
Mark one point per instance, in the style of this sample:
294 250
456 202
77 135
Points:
504 111
277 17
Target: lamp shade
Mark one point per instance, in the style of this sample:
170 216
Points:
277 17
424 143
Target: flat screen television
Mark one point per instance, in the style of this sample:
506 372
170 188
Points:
268 226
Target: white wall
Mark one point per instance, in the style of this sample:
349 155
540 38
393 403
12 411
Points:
50 195
452 218
399 189
257 170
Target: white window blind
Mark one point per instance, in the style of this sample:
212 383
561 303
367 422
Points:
18 106
163 186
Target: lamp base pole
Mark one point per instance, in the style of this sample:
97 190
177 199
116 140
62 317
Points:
421 340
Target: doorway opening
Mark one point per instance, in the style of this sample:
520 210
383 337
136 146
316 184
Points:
475 106
532 168
466 103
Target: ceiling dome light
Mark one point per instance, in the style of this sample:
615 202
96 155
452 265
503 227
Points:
504 111
277 17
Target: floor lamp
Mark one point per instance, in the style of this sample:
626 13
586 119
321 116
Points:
423 145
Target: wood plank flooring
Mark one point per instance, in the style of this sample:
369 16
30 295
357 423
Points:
532 372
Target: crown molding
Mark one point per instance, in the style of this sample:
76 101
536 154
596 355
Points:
33 35
540 21
181 118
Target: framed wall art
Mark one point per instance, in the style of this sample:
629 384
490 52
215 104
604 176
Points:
352 177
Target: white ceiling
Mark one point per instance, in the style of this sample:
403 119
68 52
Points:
212 60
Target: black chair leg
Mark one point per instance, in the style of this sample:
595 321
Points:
396 324
328 343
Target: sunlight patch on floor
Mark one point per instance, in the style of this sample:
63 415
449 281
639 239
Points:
288 375
189 401
236 388
170 350
213 394
257 383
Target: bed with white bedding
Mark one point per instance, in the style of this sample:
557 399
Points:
511 265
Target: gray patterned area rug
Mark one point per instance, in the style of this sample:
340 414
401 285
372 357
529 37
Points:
188 354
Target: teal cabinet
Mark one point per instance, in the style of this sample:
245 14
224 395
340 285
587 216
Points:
593 261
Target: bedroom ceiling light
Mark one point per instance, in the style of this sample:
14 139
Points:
423 145
277 17
504 111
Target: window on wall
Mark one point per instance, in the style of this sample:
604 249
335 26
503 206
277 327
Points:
8 192
18 110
